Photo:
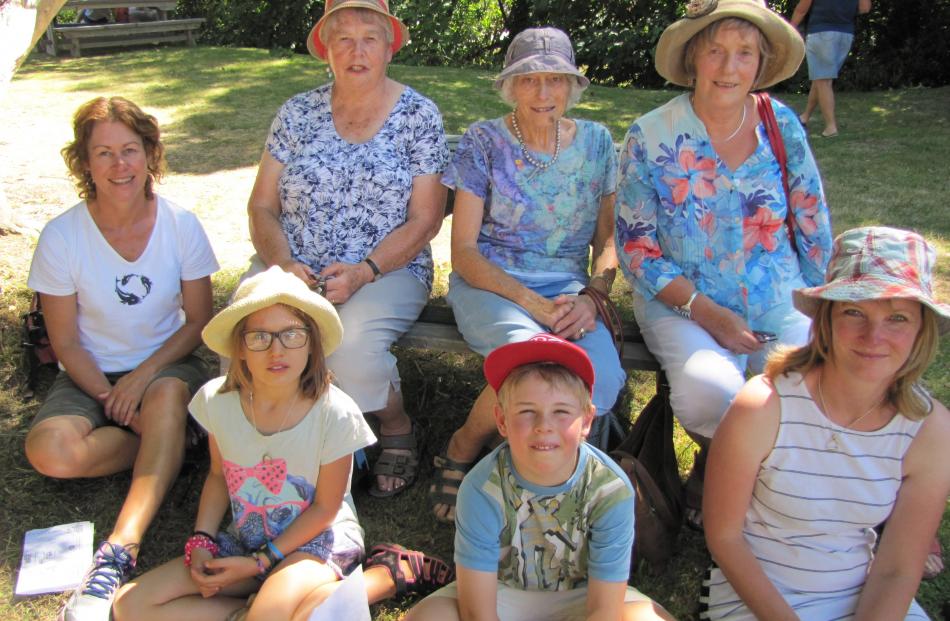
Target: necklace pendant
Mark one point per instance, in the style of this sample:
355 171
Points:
832 444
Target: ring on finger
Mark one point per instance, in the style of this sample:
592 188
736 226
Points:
581 333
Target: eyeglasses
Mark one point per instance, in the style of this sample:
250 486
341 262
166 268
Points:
261 340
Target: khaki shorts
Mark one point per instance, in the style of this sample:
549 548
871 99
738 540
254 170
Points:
519 605
65 398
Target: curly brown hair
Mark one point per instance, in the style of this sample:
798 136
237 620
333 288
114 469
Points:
121 110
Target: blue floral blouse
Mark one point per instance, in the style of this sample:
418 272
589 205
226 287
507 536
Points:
535 220
682 211
339 200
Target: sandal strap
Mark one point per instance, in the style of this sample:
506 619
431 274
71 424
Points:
391 464
442 462
428 572
399 441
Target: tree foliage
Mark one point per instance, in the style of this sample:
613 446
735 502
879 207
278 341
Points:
899 44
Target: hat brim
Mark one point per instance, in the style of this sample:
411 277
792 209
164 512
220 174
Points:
264 290
808 300
541 348
541 64
318 48
787 45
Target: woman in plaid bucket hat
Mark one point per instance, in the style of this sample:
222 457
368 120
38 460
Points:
835 438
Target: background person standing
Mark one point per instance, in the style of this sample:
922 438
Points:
829 32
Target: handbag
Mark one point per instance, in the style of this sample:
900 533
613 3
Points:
763 104
648 458
36 344
608 314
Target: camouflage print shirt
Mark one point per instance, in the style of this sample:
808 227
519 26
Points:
546 538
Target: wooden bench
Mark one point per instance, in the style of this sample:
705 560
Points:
436 329
89 36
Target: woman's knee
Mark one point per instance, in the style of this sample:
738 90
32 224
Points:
165 404
55 448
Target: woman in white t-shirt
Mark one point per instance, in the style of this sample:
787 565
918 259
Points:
124 280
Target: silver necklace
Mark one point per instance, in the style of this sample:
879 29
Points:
524 147
735 133
833 441
266 455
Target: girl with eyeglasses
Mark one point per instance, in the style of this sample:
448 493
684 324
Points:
281 439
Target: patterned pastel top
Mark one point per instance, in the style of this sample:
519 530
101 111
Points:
682 211
339 200
535 220
272 479
546 538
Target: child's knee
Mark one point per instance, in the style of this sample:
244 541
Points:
434 609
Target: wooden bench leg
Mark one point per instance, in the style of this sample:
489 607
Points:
74 49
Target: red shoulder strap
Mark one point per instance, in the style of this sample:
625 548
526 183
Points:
763 104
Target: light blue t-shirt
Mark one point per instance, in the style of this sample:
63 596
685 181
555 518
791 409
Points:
546 538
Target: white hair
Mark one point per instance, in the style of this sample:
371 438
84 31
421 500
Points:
508 96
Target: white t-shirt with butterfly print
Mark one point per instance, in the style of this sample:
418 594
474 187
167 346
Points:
125 309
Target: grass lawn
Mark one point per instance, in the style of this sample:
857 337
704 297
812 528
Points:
888 166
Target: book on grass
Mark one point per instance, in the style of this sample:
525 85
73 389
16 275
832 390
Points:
54 559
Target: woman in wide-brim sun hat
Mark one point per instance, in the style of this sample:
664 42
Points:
703 233
347 198
835 438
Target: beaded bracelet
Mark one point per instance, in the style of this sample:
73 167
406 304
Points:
199 540
261 568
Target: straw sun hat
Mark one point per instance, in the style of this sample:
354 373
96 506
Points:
274 286
318 46
787 45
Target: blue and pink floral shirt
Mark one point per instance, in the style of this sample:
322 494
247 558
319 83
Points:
535 221
682 211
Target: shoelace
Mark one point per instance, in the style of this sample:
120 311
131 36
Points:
108 573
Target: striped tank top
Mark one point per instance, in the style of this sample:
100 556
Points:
818 496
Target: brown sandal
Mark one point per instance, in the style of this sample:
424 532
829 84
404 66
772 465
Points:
428 572
390 464
444 490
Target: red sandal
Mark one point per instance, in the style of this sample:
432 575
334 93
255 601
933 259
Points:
428 572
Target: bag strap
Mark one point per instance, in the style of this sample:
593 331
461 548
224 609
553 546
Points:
608 314
763 104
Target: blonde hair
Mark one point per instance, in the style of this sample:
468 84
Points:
315 379
552 374
707 34
120 110
905 393
367 16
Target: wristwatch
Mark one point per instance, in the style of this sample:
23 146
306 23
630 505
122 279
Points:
372 265
686 310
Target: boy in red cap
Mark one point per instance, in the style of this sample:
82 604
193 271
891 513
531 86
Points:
544 525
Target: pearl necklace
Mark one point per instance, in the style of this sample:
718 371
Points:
266 455
524 147
832 444
735 133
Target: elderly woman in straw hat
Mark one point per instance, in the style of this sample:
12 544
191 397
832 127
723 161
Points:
706 234
347 198
534 193
836 437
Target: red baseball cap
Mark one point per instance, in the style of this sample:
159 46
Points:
542 347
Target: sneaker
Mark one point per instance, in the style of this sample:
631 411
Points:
111 568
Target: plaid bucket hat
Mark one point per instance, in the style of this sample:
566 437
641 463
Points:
540 50
877 262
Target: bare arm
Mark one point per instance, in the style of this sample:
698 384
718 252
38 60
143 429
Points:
404 243
60 313
122 401
319 516
897 567
477 594
212 506
743 439
267 234
801 10
481 273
